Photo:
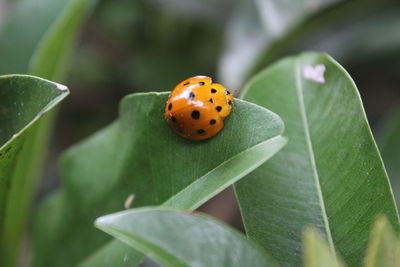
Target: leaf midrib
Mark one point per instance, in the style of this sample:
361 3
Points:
230 181
302 109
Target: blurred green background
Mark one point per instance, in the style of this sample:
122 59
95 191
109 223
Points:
150 45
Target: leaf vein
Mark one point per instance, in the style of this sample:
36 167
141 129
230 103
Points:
300 97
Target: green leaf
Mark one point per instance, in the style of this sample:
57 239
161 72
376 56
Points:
139 155
317 251
384 246
329 176
176 238
37 39
389 143
254 28
24 103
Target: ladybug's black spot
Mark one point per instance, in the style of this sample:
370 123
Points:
201 83
218 108
212 121
174 119
213 91
169 106
191 96
201 131
186 83
230 103
196 114
212 100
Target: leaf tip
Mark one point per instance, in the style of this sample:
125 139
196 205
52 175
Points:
100 222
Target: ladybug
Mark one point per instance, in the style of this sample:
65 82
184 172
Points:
196 108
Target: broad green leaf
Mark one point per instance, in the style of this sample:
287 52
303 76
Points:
384 246
253 29
317 251
37 39
330 175
24 103
176 238
389 143
139 155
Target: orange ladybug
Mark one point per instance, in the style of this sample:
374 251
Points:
196 108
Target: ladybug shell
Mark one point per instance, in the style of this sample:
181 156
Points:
196 108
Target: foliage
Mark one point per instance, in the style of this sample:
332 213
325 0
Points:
383 248
40 47
176 238
310 199
316 190
24 105
119 161
335 165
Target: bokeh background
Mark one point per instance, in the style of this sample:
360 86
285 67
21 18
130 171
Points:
150 45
